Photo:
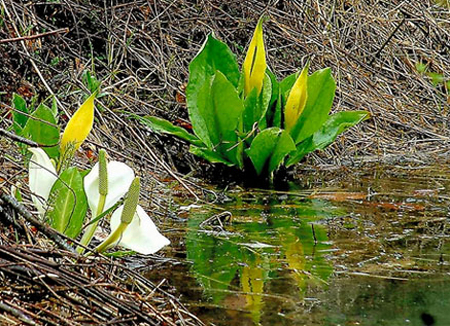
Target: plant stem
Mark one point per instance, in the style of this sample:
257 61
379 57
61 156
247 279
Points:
90 230
112 238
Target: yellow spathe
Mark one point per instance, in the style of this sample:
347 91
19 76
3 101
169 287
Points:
80 125
255 65
296 100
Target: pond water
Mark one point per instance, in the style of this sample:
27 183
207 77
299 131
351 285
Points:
370 248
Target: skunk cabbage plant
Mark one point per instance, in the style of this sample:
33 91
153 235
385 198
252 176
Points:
250 116
63 194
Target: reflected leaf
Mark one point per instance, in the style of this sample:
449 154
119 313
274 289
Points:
215 262
267 237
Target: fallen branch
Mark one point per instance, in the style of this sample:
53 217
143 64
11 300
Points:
32 37
54 235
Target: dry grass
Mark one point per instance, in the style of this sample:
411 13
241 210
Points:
141 51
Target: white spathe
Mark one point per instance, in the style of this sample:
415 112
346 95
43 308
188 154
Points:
141 235
120 177
41 177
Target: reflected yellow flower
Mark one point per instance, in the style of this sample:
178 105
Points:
296 100
254 66
252 280
296 260
79 126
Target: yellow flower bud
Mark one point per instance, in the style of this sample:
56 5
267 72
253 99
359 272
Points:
254 66
296 100
79 125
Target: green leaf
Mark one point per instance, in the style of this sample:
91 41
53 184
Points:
198 109
163 126
209 155
42 128
250 105
436 78
421 67
19 119
221 108
54 108
68 203
269 148
335 125
286 85
213 56
321 89
91 82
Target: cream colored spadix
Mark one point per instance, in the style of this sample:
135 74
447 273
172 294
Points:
137 232
79 126
254 67
42 175
296 100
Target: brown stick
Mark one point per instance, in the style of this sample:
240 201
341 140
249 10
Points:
57 237
19 139
32 37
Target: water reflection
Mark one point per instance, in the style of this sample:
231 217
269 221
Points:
268 240
373 250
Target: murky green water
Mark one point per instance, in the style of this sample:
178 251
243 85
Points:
370 248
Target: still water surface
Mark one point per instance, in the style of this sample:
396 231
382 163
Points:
370 248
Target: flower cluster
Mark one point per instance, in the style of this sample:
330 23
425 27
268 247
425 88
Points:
104 186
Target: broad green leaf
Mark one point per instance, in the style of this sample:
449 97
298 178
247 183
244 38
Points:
163 126
198 107
250 107
256 105
209 155
269 148
19 120
68 203
265 98
213 56
42 128
221 110
336 124
321 89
